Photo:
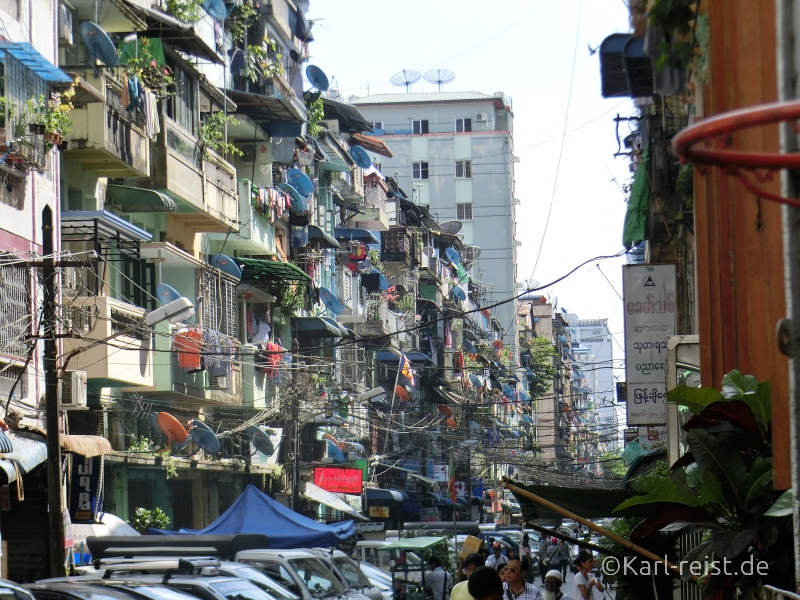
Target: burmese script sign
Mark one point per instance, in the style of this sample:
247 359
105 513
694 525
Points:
342 481
649 292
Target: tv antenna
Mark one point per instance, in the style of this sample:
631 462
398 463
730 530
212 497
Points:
405 77
439 77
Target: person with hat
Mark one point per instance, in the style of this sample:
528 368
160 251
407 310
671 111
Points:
552 586
496 560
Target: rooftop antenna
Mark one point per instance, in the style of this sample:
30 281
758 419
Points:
405 77
439 77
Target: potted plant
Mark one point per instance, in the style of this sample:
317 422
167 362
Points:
212 134
5 105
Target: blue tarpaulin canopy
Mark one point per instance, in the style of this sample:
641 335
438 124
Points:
255 512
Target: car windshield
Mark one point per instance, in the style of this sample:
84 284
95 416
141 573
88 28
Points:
265 583
318 579
239 590
351 572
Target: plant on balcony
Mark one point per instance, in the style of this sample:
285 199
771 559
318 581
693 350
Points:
187 11
674 19
374 258
316 111
212 135
241 17
146 69
263 60
11 110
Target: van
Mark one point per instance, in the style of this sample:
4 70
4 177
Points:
300 572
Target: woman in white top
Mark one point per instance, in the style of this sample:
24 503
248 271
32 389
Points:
585 580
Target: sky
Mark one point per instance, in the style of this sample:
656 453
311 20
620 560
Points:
538 53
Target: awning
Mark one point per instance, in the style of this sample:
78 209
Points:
450 397
416 543
349 117
381 495
625 71
589 503
355 235
339 159
27 455
389 356
88 225
441 500
31 59
371 143
278 116
409 472
255 269
134 199
635 226
315 233
318 327
86 445
317 494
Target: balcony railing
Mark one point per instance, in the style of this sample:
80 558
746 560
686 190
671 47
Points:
106 139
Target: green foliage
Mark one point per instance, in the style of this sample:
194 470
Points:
673 18
541 352
187 11
724 485
263 60
143 65
241 17
141 445
374 257
11 110
316 111
290 295
612 464
212 134
145 519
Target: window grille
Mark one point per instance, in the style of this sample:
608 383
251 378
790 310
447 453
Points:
15 309
8 377
464 168
219 303
464 212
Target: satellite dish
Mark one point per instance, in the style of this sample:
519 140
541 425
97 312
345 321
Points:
260 440
317 78
452 256
98 45
360 157
450 227
204 436
473 426
330 300
353 447
498 344
300 181
508 391
469 346
459 293
216 9
331 438
225 264
439 77
167 293
299 203
171 427
405 78
335 452
524 397
451 422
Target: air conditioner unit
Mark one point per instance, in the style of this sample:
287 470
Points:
218 383
332 125
64 26
481 116
72 391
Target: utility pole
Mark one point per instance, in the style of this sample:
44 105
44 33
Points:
55 516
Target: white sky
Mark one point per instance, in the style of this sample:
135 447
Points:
527 49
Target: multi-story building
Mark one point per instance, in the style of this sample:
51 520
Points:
454 152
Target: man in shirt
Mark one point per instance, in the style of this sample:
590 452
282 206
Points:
439 581
543 547
515 587
552 586
485 584
496 560
468 566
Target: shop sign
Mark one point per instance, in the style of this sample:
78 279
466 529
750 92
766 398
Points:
86 488
379 512
342 481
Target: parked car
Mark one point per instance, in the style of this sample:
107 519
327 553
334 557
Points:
300 572
12 591
258 578
348 572
375 575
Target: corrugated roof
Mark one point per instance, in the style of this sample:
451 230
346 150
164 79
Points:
420 97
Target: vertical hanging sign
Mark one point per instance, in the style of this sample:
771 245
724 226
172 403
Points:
86 488
649 292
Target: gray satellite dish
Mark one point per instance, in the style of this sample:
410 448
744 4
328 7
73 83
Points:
450 227
439 77
405 78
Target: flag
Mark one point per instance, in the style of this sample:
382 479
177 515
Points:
452 483
405 369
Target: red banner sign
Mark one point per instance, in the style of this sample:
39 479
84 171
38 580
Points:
343 481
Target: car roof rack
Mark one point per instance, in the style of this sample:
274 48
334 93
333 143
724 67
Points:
218 546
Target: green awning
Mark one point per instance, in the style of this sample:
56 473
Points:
416 543
257 269
635 227
128 199
589 503
320 327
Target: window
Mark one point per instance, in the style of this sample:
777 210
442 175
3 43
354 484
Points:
419 170
463 125
464 212
377 124
182 105
464 168
419 127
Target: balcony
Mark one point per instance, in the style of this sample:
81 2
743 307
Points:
100 317
103 139
256 235
397 246
203 184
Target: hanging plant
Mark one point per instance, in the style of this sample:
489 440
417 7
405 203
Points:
316 111
187 11
148 70
241 17
263 60
212 134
